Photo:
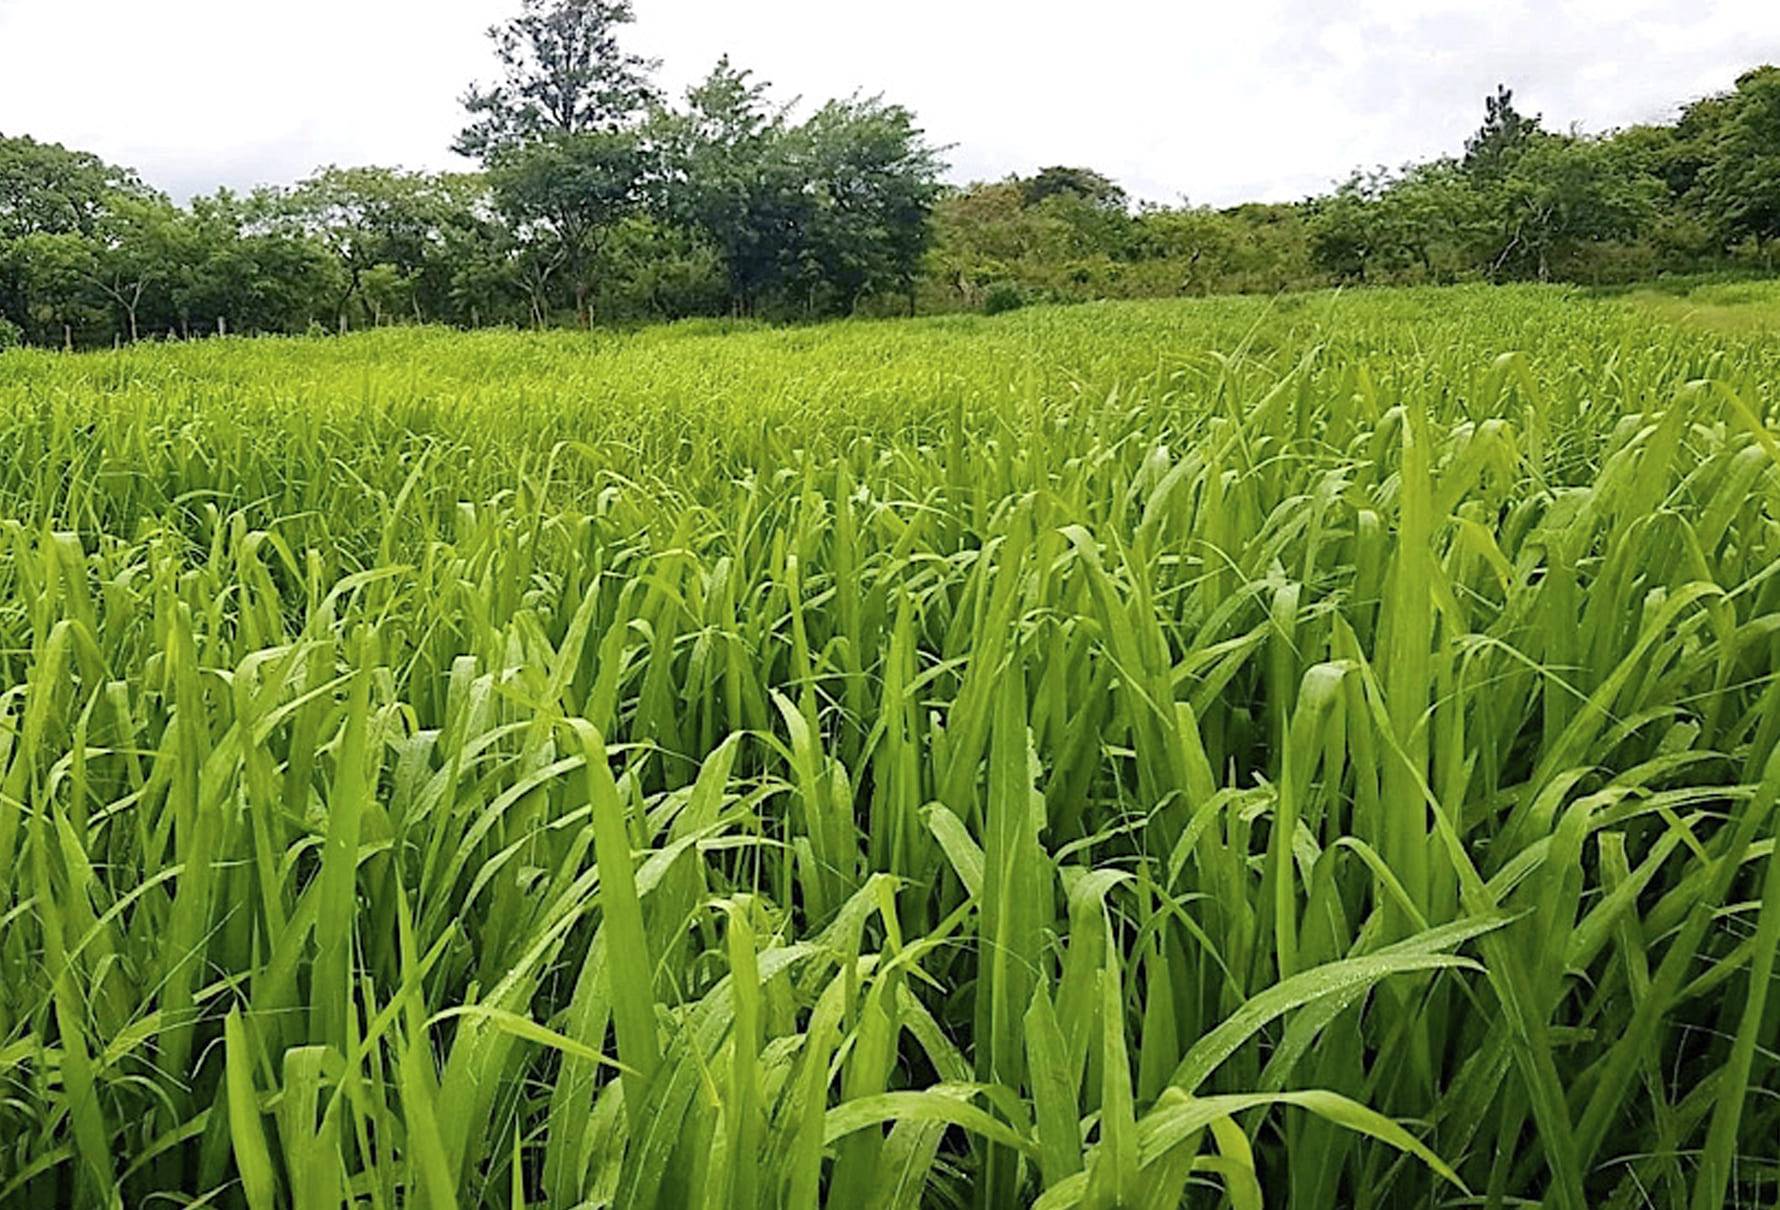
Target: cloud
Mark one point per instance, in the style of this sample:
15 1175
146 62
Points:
1267 99
198 93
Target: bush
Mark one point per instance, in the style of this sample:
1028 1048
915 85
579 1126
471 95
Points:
1003 297
11 335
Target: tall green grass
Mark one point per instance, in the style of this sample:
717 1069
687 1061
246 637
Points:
1313 753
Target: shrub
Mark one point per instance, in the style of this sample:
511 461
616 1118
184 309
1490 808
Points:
1003 297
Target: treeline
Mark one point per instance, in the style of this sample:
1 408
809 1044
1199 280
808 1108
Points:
1700 194
597 199
1071 234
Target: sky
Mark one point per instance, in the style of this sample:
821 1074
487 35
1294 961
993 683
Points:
1211 101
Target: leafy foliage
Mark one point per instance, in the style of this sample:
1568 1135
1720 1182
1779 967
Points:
1506 134
564 74
1002 298
562 196
1740 178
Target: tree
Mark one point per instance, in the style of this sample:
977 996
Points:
46 188
1077 225
1197 250
1422 223
465 277
55 274
475 275
1344 228
1740 179
661 270
1437 218
380 220
1562 192
872 179
136 245
1082 183
1499 142
1693 144
815 215
248 267
563 73
982 235
727 175
560 138
563 194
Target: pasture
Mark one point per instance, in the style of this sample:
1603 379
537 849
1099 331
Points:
1302 752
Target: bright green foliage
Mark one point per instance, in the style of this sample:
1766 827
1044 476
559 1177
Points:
1311 753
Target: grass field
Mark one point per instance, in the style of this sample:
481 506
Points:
1312 752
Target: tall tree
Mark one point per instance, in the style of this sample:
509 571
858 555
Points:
982 236
812 216
1740 180
872 178
727 176
563 73
560 136
54 275
1345 227
1504 135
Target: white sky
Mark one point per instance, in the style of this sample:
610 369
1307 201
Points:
1216 100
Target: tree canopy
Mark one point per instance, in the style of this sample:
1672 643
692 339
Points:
598 199
563 73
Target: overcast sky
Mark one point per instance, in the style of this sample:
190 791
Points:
1216 101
